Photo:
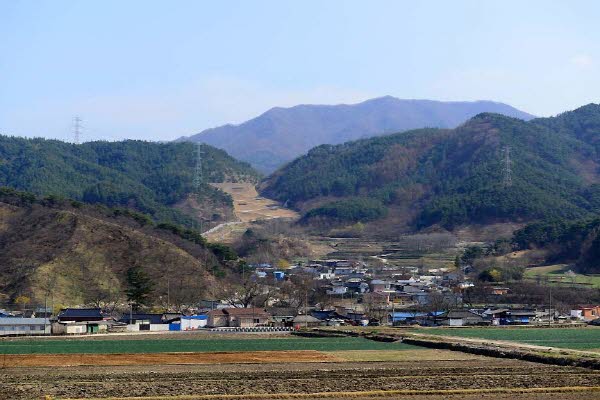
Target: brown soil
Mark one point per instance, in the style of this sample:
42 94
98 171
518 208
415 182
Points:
69 360
269 380
249 206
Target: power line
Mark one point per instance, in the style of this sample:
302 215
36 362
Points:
198 173
77 128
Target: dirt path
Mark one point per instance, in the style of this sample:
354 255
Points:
507 344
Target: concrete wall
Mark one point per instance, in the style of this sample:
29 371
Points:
159 327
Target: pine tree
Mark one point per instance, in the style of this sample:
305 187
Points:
139 286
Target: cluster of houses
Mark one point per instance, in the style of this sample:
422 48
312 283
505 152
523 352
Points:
79 321
394 297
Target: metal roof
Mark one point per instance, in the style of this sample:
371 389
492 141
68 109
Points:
24 321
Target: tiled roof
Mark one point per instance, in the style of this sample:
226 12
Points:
80 313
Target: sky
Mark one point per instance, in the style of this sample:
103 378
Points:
158 70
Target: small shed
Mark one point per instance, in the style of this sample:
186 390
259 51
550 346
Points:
463 318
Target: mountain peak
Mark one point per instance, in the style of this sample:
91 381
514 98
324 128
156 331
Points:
281 134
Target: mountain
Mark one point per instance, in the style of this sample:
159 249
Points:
493 168
68 253
153 178
282 134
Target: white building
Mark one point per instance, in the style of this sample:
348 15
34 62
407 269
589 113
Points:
24 326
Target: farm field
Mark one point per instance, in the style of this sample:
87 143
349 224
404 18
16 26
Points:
569 338
199 345
432 379
561 274
225 367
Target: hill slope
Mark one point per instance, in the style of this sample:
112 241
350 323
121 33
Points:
153 178
452 177
281 134
80 254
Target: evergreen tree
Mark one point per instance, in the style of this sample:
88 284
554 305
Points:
139 286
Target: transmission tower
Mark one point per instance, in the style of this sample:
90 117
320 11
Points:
77 129
198 175
506 168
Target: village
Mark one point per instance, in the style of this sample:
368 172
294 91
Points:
329 292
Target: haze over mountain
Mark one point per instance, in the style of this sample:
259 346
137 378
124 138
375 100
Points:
282 134
452 177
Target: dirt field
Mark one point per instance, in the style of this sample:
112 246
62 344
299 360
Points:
64 360
409 376
249 206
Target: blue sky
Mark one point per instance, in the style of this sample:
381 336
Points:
158 70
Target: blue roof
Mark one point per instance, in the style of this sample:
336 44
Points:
200 317
408 314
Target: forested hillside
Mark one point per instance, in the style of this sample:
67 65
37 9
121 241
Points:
566 241
75 254
281 134
453 177
152 178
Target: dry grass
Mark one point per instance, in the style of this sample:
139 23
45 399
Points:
249 206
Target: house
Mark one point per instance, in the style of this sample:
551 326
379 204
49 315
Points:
522 316
405 317
247 317
337 290
80 315
69 328
462 318
282 316
586 313
305 321
24 326
377 285
505 316
217 318
238 317
148 321
500 291
356 285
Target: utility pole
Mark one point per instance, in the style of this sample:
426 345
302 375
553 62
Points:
198 173
550 314
198 179
506 168
77 127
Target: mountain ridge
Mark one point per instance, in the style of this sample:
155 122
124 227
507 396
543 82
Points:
450 177
153 178
280 134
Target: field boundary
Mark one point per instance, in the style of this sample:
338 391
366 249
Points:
377 393
486 347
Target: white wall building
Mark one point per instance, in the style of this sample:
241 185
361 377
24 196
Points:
24 326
